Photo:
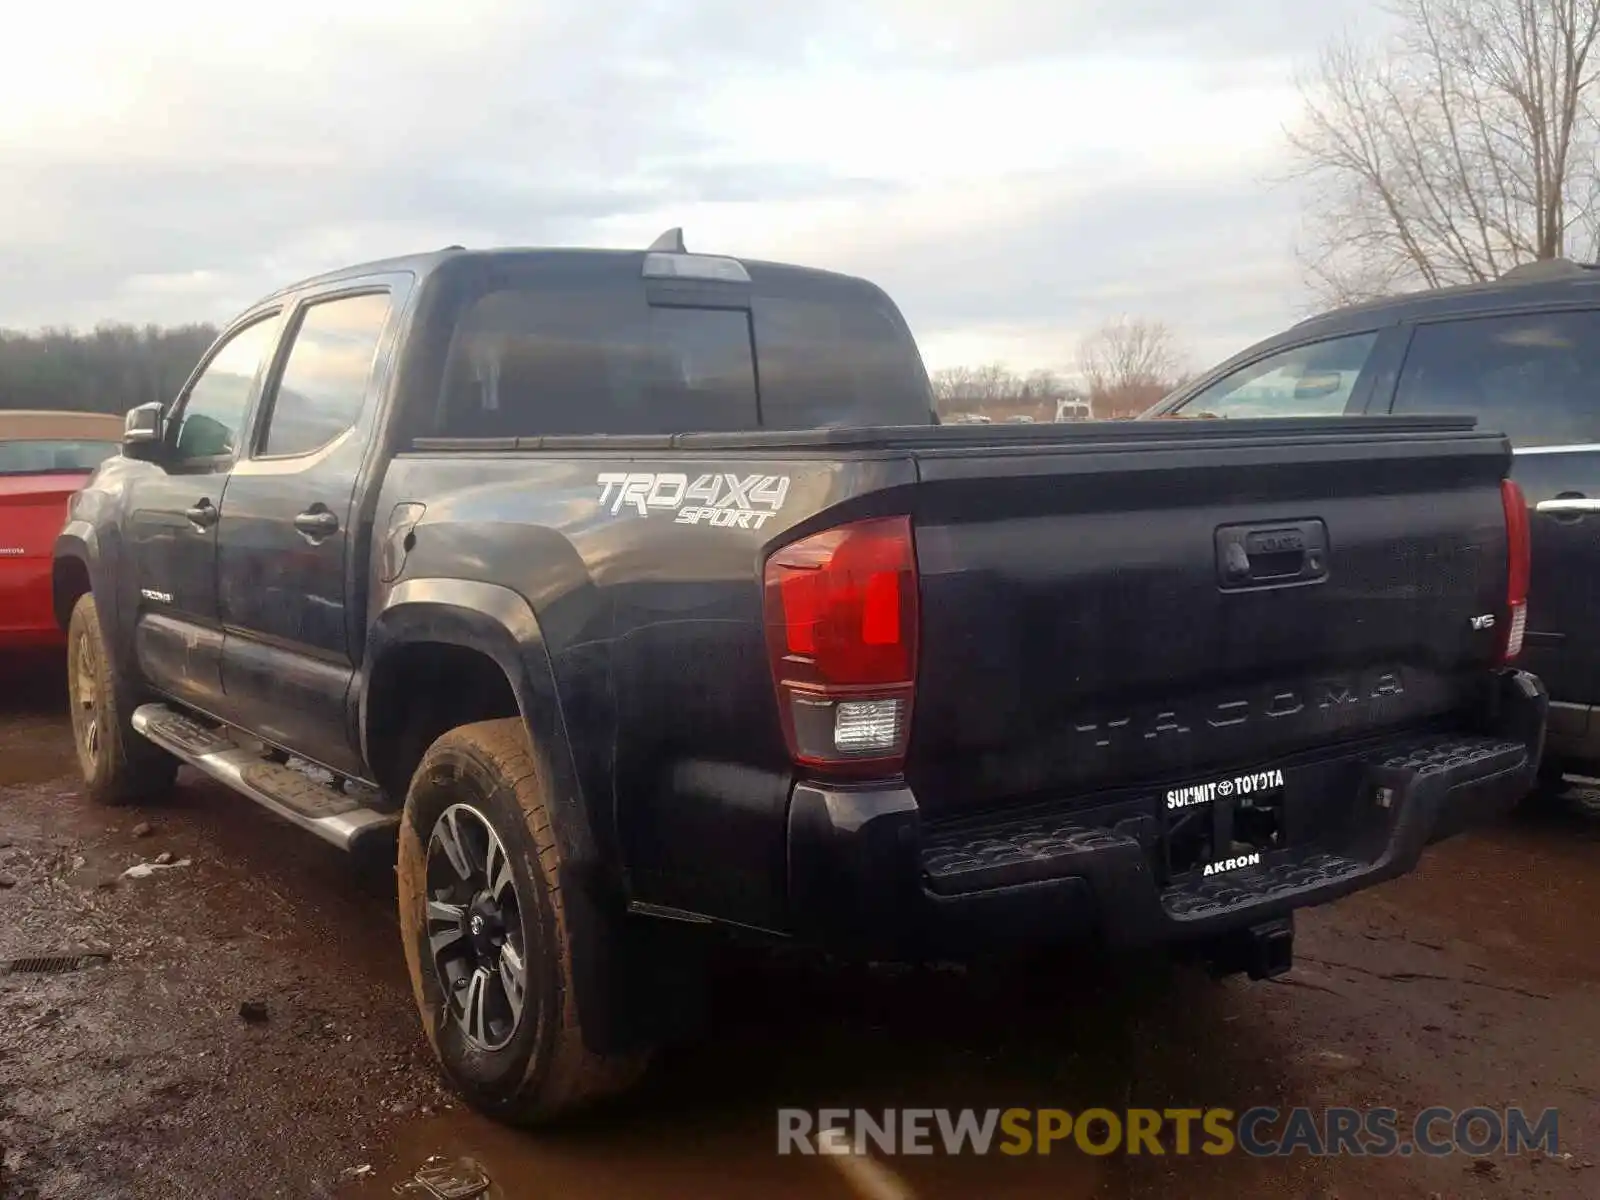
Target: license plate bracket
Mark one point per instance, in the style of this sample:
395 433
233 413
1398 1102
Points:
1223 820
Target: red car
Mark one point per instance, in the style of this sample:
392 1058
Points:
44 458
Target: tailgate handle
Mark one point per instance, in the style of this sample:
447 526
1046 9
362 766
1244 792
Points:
1270 555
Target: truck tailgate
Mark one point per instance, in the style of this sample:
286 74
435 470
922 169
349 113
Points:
1134 606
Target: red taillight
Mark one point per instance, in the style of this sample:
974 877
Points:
1518 557
841 616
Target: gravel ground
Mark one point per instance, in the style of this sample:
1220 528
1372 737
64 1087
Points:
251 1032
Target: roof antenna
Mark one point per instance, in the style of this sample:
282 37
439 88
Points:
670 242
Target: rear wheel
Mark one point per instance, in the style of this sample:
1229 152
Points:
118 765
485 932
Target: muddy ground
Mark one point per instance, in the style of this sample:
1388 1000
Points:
1474 982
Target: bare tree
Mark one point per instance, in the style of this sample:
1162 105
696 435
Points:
1044 385
1128 364
957 389
1464 146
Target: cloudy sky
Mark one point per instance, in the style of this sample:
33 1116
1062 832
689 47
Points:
1012 171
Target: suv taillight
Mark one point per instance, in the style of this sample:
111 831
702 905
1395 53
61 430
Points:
1517 567
841 617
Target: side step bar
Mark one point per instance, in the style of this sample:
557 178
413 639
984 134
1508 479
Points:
298 796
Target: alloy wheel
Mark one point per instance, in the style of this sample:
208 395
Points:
475 930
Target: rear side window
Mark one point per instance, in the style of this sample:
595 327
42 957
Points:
1534 377
324 381
534 361
1314 380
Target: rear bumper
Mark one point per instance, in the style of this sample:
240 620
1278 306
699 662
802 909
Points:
867 874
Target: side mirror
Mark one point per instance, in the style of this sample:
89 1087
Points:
143 430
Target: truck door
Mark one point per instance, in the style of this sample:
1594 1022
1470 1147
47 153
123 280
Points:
287 564
170 569
1536 377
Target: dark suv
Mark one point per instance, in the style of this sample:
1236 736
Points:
1522 354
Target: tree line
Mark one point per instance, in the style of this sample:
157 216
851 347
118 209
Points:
1121 369
109 369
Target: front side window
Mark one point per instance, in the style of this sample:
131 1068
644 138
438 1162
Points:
1314 380
208 427
1534 377
325 378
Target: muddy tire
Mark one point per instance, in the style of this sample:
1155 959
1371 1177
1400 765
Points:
119 766
480 897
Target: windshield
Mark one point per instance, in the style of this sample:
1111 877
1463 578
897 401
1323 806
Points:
53 457
1311 380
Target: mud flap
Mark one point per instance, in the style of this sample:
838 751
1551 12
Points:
639 982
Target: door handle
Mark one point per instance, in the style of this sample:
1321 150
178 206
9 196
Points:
203 515
1574 506
317 523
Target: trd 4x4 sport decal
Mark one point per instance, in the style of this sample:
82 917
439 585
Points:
728 501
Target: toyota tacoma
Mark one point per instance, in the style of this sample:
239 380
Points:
634 599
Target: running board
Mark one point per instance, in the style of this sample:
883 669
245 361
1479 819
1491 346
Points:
296 795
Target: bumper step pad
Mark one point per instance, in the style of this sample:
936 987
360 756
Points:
1436 780
1260 885
1021 850
1463 758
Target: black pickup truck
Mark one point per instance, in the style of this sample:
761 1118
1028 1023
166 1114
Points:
634 598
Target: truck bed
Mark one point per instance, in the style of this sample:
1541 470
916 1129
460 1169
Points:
1078 633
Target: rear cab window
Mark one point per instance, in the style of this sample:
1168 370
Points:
834 351
568 352
570 346
1316 379
1533 376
